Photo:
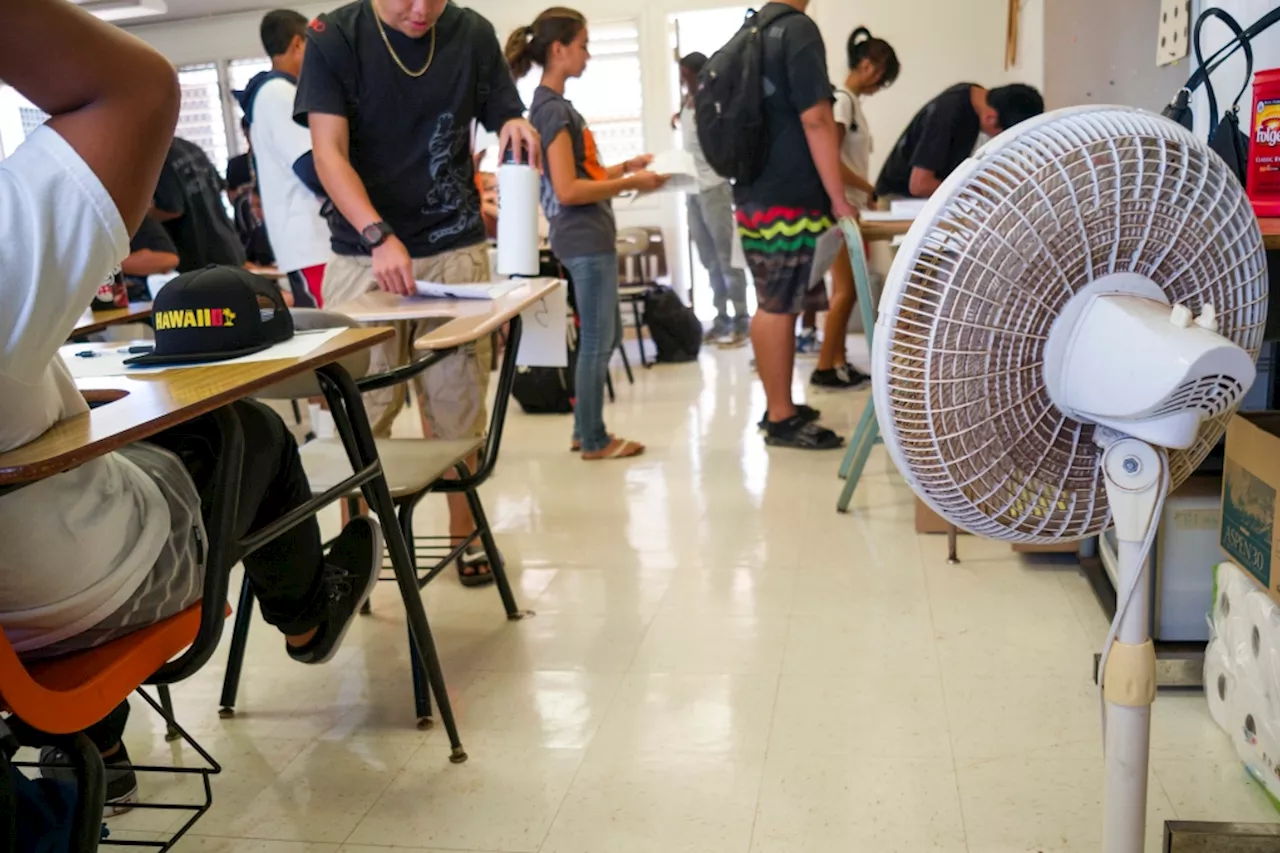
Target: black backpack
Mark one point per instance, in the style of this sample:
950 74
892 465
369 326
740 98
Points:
548 390
675 329
729 102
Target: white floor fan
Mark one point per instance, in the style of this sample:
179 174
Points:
1062 339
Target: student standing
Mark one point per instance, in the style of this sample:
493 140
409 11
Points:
943 134
115 544
576 194
292 195
781 214
246 205
389 89
188 200
873 65
711 224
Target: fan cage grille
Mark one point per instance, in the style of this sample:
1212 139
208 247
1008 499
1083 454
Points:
962 336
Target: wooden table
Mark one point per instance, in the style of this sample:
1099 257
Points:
469 319
272 273
1270 233
883 231
151 402
92 322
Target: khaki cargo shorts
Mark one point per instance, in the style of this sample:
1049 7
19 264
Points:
452 393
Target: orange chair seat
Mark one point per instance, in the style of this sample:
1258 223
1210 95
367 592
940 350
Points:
68 694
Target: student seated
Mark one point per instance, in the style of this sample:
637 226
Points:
117 543
943 134
151 252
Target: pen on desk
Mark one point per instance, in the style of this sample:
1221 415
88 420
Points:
137 350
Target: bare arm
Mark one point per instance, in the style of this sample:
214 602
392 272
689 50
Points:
820 131
572 190
331 145
111 97
148 262
923 182
331 148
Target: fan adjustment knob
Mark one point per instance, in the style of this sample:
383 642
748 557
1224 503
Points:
1181 316
1208 318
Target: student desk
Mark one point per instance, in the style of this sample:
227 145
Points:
465 321
135 408
91 322
883 231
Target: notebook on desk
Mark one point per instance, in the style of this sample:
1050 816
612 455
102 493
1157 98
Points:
481 290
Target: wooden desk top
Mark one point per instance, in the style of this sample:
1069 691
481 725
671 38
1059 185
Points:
469 319
152 402
882 231
1270 233
91 322
266 272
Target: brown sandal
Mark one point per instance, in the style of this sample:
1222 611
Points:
618 448
575 446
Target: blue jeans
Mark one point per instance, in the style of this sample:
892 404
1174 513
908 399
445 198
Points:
595 289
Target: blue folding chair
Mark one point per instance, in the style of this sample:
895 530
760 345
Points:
867 435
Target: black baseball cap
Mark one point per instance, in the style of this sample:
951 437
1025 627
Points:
215 314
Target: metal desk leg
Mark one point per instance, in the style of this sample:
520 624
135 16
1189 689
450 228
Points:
635 312
353 427
626 363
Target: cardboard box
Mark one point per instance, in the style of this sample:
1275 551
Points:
1250 478
928 521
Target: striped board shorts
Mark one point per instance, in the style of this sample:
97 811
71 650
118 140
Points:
779 243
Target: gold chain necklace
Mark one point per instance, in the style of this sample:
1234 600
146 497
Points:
391 50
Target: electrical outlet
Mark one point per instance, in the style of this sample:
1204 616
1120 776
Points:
1173 32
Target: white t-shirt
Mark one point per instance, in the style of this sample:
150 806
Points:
708 178
857 146
299 235
76 545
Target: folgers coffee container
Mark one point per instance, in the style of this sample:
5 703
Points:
112 293
1264 144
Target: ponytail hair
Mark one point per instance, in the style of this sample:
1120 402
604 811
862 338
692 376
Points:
529 46
862 45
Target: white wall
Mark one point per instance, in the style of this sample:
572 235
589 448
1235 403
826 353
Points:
962 41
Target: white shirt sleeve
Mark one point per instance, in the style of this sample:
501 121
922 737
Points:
843 109
275 133
62 237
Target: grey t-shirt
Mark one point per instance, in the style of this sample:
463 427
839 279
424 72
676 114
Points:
581 229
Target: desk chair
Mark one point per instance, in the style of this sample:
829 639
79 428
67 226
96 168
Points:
642 259
53 701
415 468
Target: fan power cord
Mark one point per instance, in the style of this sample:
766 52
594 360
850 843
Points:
1104 437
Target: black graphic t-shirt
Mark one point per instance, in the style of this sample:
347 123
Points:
939 138
410 136
191 187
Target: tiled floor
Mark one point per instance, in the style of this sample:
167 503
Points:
719 664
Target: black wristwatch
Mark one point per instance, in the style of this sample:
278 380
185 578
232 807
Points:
375 235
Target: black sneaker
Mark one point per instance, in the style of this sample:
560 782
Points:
122 782
806 413
840 378
801 434
350 573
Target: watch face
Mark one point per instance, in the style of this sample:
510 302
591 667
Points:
373 233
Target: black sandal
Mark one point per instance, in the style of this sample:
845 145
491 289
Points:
808 413
800 434
473 567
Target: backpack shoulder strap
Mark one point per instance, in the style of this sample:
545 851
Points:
484 63
761 20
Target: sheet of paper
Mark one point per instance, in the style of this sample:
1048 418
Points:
112 360
908 208
544 328
883 216
679 164
824 255
482 290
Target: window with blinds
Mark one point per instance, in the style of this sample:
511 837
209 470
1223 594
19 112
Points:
201 118
239 73
608 94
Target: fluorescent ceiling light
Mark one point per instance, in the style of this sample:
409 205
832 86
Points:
123 10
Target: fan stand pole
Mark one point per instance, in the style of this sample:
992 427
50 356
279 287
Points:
1134 478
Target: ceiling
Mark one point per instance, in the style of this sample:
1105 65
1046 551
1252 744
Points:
180 10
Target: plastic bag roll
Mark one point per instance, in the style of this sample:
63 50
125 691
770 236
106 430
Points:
1219 685
518 188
